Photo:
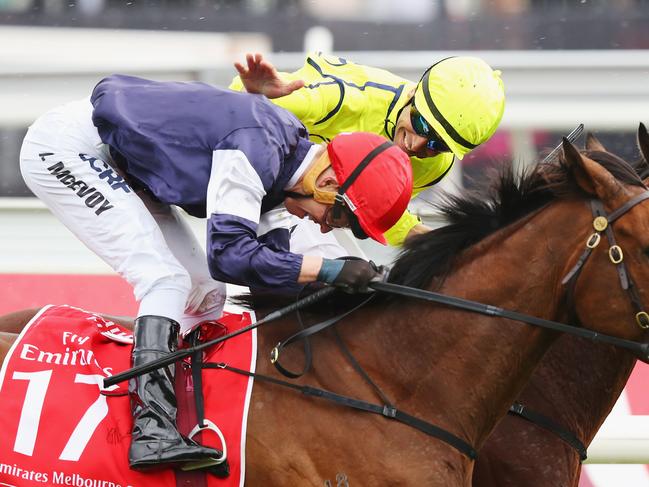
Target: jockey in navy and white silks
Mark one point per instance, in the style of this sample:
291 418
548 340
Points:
113 169
217 154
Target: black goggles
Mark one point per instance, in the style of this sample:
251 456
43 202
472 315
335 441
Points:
354 225
330 218
423 129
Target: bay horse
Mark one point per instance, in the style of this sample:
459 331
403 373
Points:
457 370
575 386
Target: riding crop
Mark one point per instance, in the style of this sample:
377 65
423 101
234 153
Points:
186 352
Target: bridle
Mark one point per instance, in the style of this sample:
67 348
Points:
603 223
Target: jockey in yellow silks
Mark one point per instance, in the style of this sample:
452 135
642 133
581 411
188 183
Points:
456 106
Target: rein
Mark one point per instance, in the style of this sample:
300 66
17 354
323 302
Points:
601 222
485 309
178 355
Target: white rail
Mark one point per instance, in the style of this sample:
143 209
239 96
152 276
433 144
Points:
621 439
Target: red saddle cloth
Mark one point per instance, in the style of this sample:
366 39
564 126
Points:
59 429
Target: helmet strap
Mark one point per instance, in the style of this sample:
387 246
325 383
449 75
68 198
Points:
340 198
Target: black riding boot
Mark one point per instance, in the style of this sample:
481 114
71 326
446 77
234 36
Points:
155 441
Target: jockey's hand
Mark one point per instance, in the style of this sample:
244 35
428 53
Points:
261 77
350 274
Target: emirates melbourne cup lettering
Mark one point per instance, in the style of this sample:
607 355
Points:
53 478
76 356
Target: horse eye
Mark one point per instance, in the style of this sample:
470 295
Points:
645 251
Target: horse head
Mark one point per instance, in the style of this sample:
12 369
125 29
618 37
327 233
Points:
609 287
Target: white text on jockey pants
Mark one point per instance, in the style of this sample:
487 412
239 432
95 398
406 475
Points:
92 197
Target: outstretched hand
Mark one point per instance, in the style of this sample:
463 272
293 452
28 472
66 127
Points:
261 77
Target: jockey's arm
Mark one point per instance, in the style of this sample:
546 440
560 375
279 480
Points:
310 269
309 103
260 77
419 229
235 252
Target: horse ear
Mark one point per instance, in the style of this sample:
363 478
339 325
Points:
591 176
643 142
592 143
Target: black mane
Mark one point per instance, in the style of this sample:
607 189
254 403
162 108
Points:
500 201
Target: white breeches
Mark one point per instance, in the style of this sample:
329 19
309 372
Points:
65 164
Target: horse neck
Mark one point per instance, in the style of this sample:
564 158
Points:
521 266
462 369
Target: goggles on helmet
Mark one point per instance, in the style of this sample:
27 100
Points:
421 127
350 221
345 220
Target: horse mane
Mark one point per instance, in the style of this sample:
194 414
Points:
501 199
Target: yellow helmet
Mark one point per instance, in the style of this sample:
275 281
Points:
463 99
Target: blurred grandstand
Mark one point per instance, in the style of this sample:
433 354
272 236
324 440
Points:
366 24
361 25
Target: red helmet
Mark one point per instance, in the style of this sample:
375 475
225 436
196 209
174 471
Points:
375 179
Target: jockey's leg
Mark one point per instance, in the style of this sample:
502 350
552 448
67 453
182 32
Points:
64 163
207 296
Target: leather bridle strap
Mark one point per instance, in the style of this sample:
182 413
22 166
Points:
386 411
627 206
538 419
603 223
303 335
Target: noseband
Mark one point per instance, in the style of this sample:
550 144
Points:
603 223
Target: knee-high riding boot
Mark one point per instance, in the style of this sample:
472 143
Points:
155 441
